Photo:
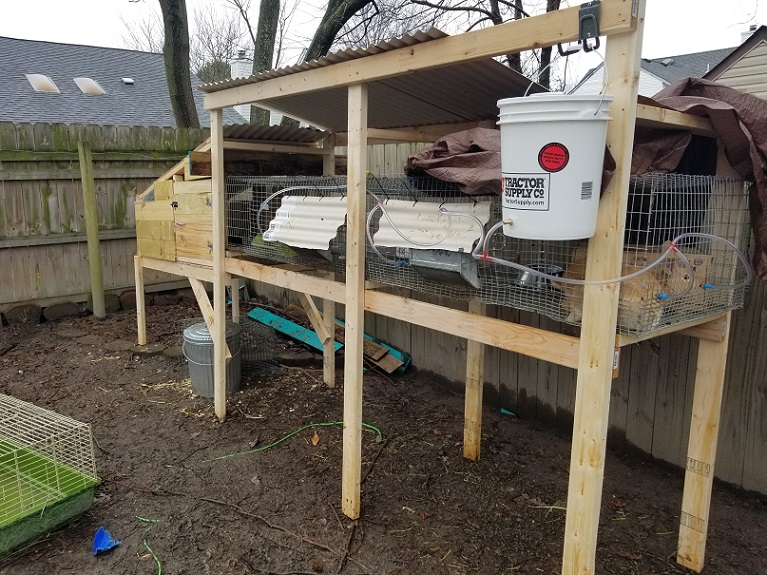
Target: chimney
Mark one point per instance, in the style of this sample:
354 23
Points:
747 34
242 67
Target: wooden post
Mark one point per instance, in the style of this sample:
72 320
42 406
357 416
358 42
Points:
220 277
475 378
234 288
329 157
600 312
355 300
92 229
701 450
328 305
329 347
140 299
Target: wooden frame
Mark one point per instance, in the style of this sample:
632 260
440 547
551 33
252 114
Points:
592 354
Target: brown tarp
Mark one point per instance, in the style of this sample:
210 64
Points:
472 158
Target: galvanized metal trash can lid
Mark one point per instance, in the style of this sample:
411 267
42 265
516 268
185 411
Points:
199 333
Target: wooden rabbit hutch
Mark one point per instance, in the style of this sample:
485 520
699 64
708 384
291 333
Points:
207 226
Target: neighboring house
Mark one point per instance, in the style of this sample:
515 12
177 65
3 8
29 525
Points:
72 84
745 68
658 73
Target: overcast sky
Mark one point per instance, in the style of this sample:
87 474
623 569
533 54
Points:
672 26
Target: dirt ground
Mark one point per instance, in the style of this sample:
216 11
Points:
426 510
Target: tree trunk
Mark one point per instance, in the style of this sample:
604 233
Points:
176 52
544 78
263 56
336 15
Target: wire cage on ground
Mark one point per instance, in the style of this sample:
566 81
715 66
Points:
421 233
47 471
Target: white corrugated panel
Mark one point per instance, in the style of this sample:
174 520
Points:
426 226
307 221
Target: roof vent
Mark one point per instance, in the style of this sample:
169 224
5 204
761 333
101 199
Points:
89 86
42 83
128 81
667 61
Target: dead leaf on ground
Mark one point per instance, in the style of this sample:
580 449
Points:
315 438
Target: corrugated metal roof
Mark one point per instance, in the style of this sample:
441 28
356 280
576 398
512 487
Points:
274 134
332 58
307 221
426 226
462 92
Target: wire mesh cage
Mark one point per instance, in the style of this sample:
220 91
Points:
288 219
47 471
257 347
421 233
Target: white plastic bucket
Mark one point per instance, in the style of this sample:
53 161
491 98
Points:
552 152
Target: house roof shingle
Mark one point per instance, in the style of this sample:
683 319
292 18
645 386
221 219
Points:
145 103
673 68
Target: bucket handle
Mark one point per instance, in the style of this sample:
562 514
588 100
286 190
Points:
567 53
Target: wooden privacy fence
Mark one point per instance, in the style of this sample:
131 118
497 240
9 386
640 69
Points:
43 253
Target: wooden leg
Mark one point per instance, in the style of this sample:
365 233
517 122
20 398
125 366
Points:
329 348
701 451
234 287
140 300
475 368
220 277
355 301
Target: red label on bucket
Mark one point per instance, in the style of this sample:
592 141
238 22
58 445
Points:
553 157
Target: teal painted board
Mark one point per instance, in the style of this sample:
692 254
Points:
287 327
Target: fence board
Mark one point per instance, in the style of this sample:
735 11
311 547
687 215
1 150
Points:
643 379
670 399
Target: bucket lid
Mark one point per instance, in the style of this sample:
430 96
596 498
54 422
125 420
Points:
199 333
556 97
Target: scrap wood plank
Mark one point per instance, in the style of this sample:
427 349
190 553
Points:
289 328
370 349
393 360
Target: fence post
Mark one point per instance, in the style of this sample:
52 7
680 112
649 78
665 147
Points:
92 229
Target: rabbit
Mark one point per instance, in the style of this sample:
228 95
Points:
639 307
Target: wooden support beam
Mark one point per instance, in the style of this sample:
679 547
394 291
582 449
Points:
248 145
92 230
355 300
559 26
183 269
475 379
711 327
533 342
665 119
140 300
203 302
218 329
701 451
600 313
315 317
415 133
